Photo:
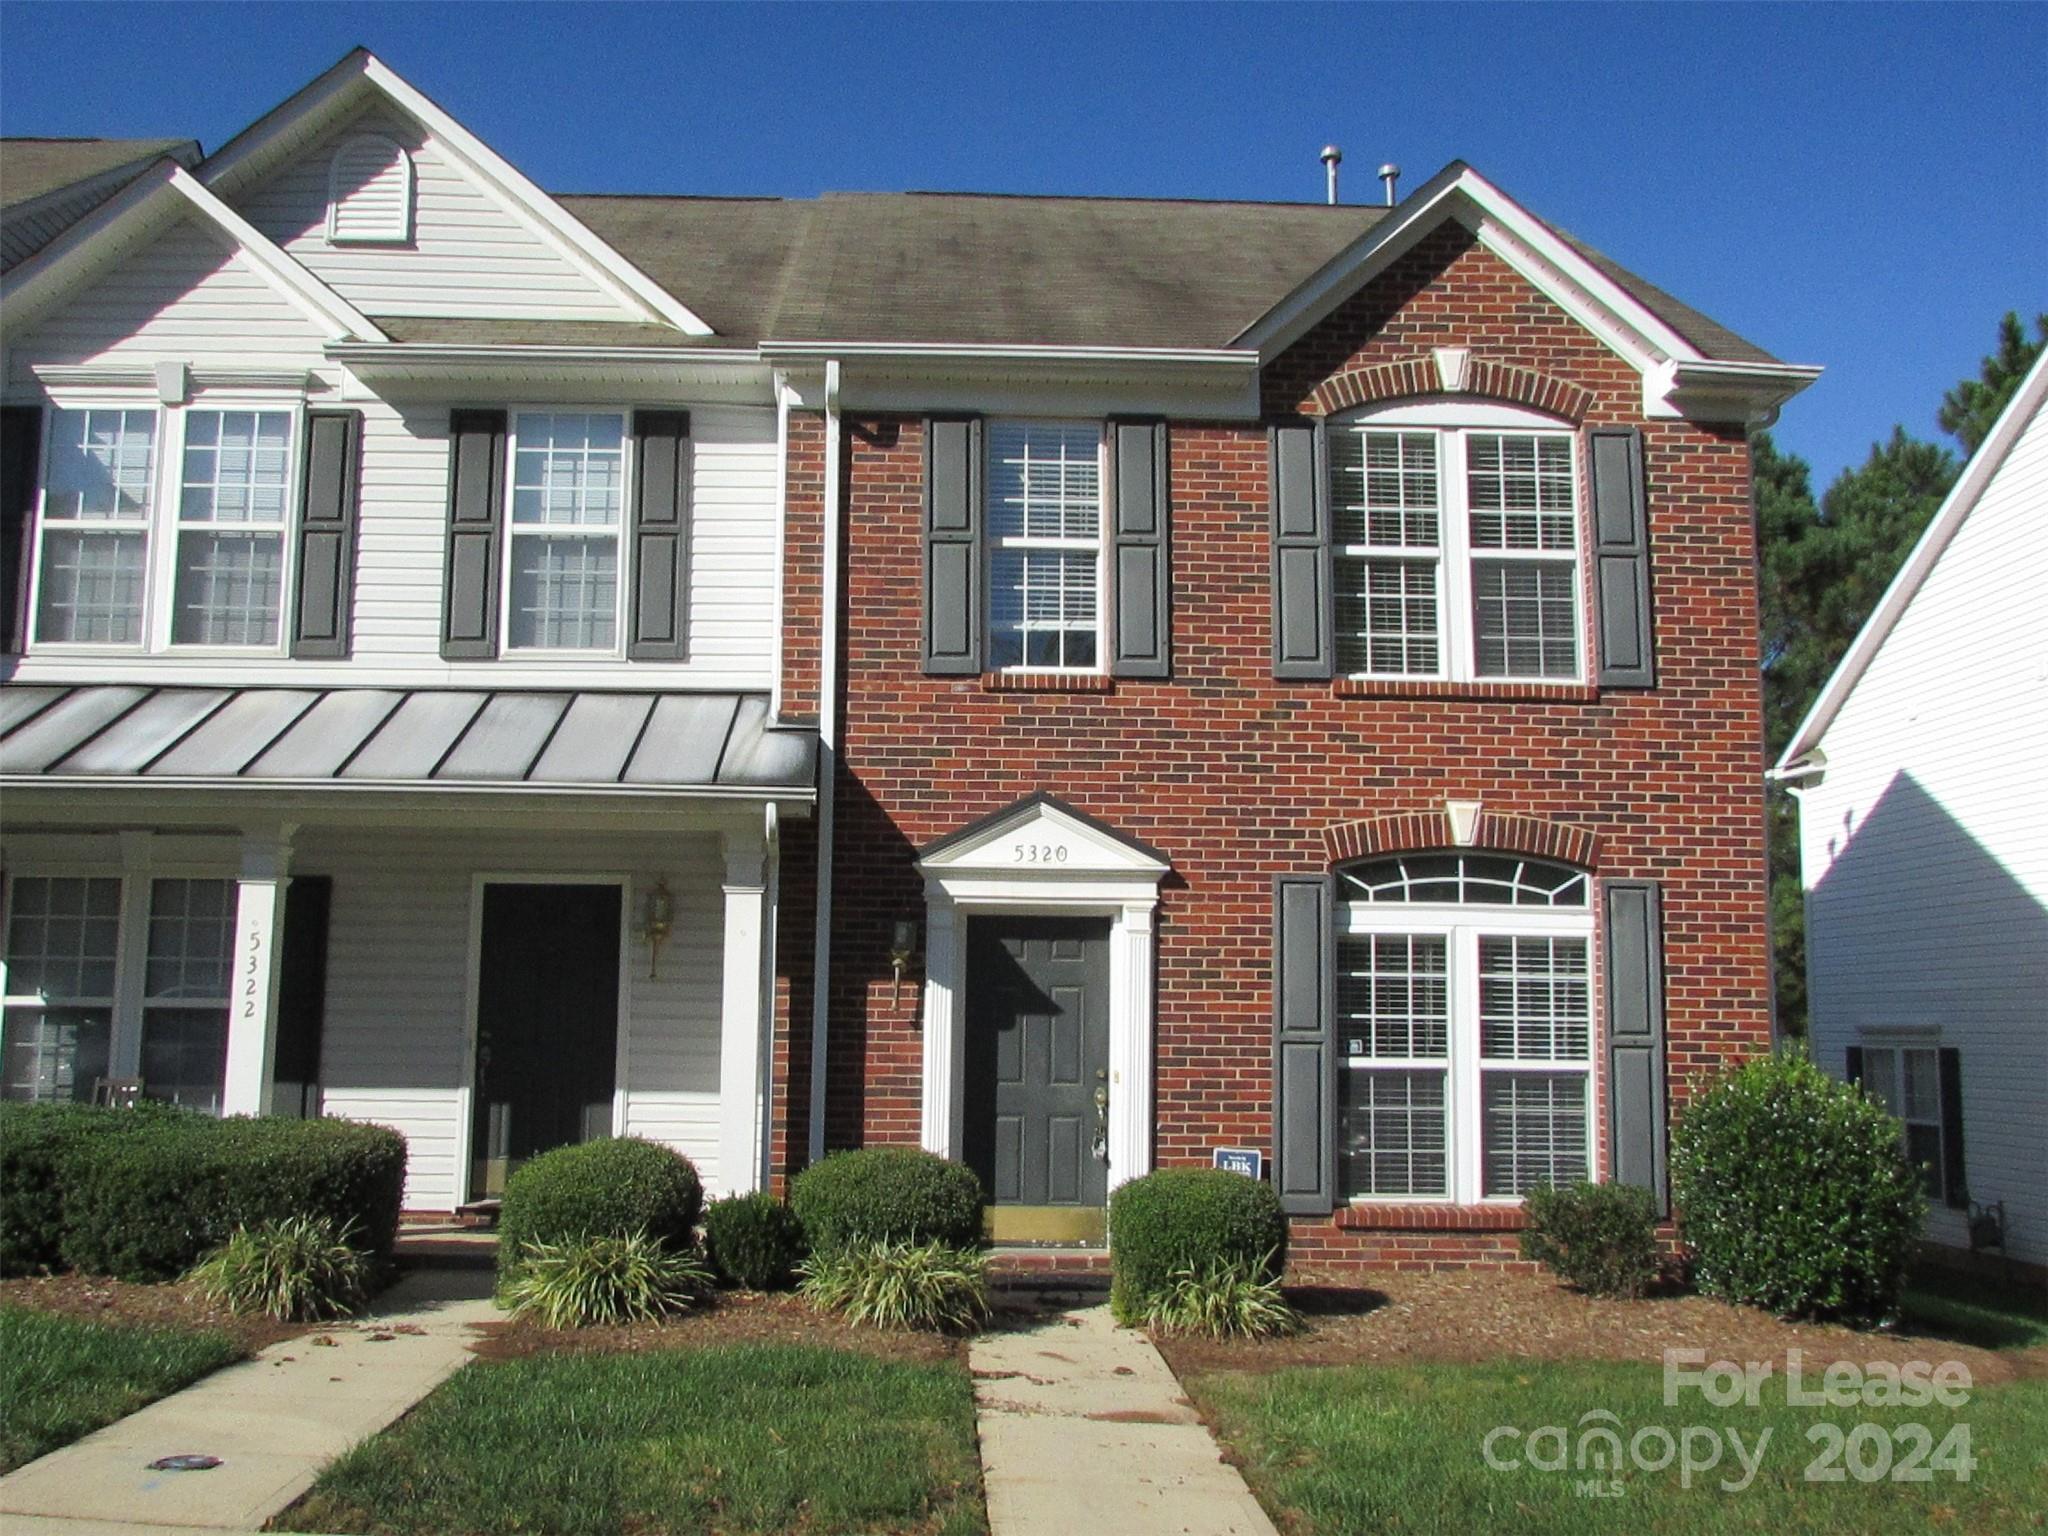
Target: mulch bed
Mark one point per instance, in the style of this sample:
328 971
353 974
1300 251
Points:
99 1300
735 1317
1392 1318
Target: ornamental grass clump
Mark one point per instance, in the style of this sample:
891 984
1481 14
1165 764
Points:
1601 1238
603 1281
302 1269
1222 1299
932 1287
1794 1193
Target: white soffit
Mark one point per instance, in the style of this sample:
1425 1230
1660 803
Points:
247 156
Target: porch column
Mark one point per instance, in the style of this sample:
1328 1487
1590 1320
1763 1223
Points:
739 1041
944 1067
1130 1060
256 966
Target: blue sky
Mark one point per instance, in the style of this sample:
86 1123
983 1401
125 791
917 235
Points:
1861 186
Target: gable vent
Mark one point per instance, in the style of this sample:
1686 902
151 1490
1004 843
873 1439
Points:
369 193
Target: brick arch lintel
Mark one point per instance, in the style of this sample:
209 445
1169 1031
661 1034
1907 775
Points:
1496 832
1423 376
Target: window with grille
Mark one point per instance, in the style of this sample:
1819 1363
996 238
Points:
1456 548
234 496
568 500
185 992
1465 1026
98 491
63 945
1906 1079
1045 545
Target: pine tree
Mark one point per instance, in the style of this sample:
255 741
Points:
1968 410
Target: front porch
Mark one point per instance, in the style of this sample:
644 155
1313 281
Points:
490 968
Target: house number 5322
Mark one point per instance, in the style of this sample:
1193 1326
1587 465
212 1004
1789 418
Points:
1038 853
252 968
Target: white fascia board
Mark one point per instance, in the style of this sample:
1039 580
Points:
1026 353
1752 393
159 193
2027 402
241 157
1523 239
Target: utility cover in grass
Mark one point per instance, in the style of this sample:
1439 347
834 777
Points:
739 1439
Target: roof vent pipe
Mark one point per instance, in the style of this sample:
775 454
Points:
1389 174
1332 155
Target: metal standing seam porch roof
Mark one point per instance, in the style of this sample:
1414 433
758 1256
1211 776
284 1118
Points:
401 738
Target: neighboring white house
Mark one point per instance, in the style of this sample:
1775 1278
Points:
1922 777
294 823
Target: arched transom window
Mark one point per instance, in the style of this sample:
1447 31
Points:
1464 1024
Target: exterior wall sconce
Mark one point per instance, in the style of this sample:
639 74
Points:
657 921
902 945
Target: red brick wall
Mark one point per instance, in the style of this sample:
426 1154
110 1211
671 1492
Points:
1235 776
803 565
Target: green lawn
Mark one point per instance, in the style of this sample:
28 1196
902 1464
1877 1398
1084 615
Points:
1977 1311
1355 1449
61 1378
736 1439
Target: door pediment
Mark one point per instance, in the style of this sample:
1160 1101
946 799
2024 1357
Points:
1037 836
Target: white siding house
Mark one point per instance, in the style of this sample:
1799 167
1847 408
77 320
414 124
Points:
1922 777
387 729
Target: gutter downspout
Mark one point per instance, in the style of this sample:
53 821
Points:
828 762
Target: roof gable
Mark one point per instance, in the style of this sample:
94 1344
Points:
1979 475
145 212
1041 835
360 83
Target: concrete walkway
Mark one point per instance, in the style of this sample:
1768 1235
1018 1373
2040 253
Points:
1084 1428
274 1421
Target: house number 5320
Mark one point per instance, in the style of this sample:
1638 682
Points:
1038 853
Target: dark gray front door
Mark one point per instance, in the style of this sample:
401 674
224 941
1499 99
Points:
1037 1059
547 1024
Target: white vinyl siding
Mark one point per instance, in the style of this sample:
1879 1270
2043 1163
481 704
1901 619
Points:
1925 849
396 1036
470 253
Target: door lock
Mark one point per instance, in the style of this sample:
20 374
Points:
1101 1148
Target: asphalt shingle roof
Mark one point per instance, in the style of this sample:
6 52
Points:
31 167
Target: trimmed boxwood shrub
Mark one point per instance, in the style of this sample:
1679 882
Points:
754 1241
37 1142
1794 1193
610 1188
149 1204
1182 1219
887 1194
1601 1238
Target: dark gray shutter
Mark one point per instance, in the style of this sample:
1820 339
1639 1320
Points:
1852 1065
1304 1060
302 994
476 517
1621 560
1634 945
952 545
1303 622
1143 642
658 628
1955 1183
327 534
21 445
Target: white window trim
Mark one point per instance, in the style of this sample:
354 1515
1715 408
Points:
136 872
1451 424
1462 927
621 606
163 525
1098 545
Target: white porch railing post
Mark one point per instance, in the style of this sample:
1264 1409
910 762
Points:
256 969
739 1036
